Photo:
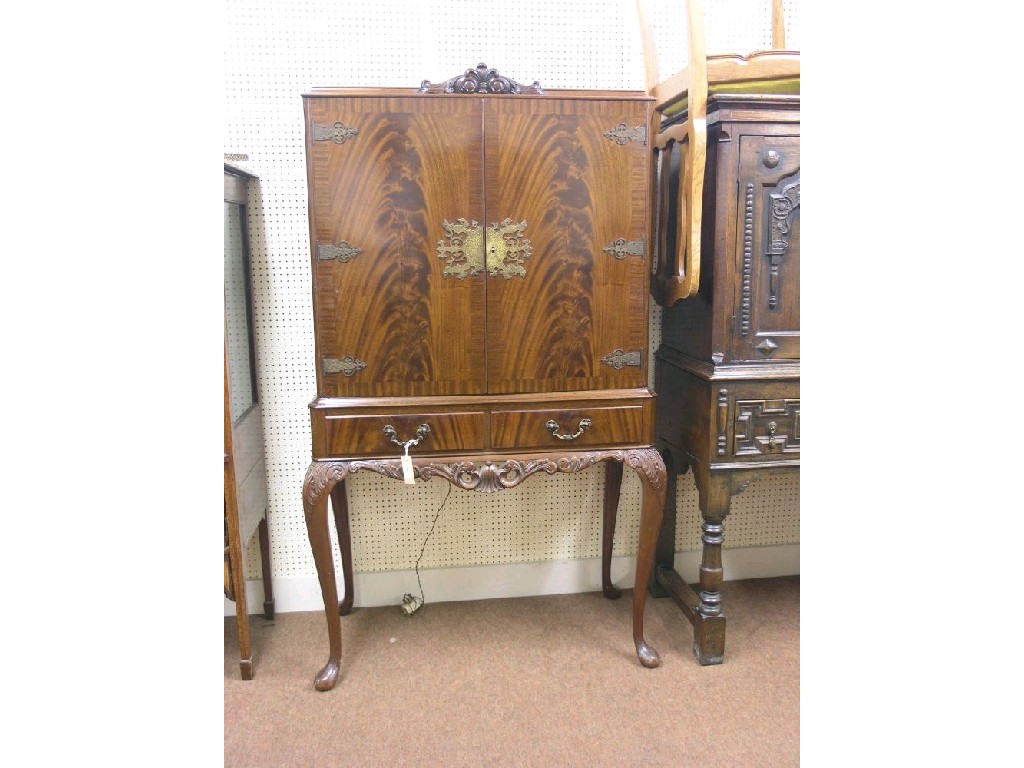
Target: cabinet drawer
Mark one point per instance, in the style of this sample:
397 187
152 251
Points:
622 425
346 436
766 428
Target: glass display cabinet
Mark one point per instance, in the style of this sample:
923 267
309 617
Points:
245 476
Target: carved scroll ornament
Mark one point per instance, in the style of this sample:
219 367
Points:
484 476
483 79
783 207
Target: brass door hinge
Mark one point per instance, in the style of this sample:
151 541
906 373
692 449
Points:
342 251
348 365
619 359
622 133
339 133
622 248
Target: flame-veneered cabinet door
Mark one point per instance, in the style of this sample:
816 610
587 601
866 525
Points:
566 197
396 184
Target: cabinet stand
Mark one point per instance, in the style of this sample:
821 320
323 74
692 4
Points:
326 478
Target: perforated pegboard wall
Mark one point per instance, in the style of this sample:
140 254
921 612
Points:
277 49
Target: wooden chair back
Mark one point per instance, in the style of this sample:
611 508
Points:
681 105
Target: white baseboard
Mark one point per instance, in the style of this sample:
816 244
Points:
478 582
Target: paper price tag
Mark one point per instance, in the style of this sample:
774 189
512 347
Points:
407 477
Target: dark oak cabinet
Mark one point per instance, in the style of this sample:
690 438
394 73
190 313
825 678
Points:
480 291
728 370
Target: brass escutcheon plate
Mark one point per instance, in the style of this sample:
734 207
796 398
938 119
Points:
469 250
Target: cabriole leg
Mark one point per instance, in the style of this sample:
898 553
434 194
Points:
339 502
321 477
612 487
651 468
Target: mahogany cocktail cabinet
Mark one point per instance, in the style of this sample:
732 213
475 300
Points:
480 300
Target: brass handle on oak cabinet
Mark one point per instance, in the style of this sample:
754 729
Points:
553 429
772 427
421 432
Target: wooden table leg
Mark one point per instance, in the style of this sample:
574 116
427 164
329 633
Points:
612 487
651 468
665 550
715 492
709 631
237 566
339 502
321 477
268 584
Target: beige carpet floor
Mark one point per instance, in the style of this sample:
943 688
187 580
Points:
538 681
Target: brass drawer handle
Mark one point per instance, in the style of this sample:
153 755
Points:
421 432
772 428
553 428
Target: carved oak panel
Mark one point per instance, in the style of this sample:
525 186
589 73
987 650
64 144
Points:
767 249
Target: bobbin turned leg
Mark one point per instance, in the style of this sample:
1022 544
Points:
612 486
651 468
715 492
703 606
321 477
709 630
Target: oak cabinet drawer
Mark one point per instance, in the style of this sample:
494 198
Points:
765 428
581 427
347 436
